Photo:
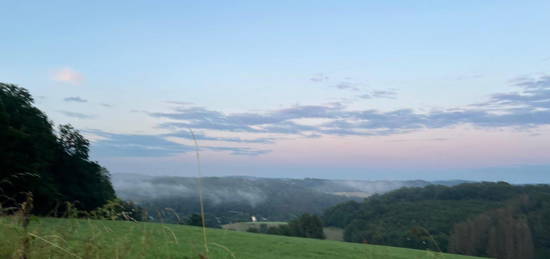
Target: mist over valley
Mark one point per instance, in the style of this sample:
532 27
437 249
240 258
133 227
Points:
236 198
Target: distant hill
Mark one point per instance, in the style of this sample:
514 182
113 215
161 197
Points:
237 198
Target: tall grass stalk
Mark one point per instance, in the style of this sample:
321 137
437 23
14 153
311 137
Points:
199 187
54 245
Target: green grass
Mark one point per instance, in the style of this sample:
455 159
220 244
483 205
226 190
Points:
73 238
331 233
244 226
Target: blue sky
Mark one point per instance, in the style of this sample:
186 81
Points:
354 89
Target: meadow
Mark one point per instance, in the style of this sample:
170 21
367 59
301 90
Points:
86 238
331 233
244 226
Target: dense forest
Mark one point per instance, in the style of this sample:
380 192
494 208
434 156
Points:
49 165
484 219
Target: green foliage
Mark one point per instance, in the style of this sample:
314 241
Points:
27 151
307 225
424 218
501 233
74 144
194 220
282 230
54 168
253 230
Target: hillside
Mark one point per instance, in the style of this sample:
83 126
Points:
483 219
237 198
78 238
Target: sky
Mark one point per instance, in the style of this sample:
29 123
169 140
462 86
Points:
374 90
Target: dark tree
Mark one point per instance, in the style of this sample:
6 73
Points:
194 220
74 144
307 225
27 152
33 159
82 181
502 233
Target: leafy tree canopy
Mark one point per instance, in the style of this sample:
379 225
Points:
55 168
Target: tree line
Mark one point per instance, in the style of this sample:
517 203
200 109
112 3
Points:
307 225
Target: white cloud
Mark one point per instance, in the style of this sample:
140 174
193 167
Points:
68 75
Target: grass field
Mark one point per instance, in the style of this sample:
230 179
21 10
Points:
244 226
81 238
331 233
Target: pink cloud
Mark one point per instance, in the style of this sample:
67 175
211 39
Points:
68 75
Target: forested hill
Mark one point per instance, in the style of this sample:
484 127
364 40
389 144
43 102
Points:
484 219
142 187
226 199
237 198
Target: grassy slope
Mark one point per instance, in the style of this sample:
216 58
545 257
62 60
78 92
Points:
117 239
244 226
331 233
334 233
